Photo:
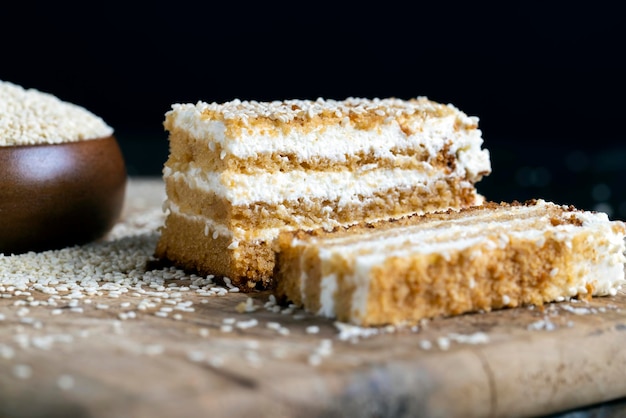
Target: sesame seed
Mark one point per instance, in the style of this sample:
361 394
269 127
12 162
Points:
247 324
22 371
443 343
196 356
425 345
34 117
6 352
65 382
315 359
312 329
215 361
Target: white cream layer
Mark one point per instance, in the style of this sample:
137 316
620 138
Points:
606 274
274 188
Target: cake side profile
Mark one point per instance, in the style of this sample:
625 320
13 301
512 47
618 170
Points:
435 265
240 172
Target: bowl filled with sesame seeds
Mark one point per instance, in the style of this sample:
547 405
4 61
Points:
62 173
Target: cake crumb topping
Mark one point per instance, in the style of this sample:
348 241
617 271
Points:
299 109
362 112
32 117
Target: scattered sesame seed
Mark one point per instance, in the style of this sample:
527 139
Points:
475 338
22 371
443 343
315 359
6 352
542 324
153 349
247 324
65 382
226 328
246 307
426 345
312 329
196 356
349 332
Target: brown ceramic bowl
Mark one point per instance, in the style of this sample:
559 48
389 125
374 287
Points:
59 195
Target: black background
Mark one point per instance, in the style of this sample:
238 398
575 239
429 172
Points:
546 81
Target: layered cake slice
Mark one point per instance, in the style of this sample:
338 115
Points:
483 258
240 172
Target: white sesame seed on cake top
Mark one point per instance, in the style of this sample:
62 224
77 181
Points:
32 117
289 110
364 112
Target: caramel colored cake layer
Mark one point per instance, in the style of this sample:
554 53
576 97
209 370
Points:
239 173
482 258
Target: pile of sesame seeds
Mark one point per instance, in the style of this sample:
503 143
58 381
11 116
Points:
30 117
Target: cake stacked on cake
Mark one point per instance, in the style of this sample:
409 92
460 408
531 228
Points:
482 258
240 172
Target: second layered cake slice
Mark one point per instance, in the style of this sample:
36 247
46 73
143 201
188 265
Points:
482 258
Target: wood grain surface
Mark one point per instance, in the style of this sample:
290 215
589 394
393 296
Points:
238 355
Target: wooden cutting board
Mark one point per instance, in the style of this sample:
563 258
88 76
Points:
238 355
